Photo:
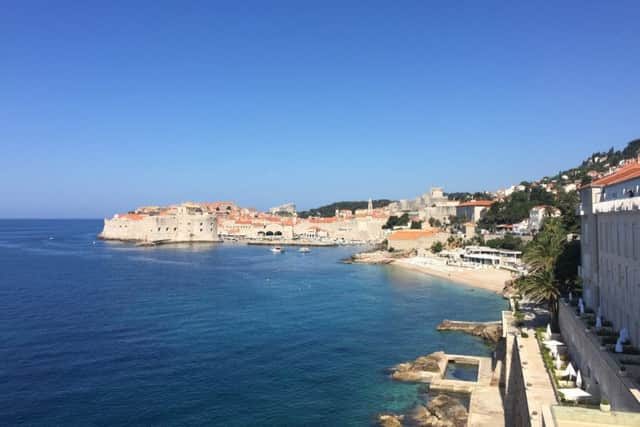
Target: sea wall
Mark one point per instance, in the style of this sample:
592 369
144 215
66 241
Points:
598 368
162 228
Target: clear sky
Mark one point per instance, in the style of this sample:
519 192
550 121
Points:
109 105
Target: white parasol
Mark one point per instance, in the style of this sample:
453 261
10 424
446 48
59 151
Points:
569 371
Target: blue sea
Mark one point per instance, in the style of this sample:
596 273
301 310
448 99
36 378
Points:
95 333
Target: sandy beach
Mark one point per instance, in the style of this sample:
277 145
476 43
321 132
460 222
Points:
489 279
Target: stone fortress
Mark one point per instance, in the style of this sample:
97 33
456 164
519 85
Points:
433 204
187 222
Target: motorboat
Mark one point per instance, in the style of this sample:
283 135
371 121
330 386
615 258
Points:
277 250
304 250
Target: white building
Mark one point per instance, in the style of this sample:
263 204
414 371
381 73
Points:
610 247
184 223
538 214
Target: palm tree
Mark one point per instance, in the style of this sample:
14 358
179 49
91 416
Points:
543 252
541 256
541 286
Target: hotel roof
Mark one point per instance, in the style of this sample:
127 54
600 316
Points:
625 173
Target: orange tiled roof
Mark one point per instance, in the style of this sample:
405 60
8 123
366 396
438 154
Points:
477 203
411 234
623 174
133 217
323 220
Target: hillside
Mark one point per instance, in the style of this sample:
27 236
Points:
330 210
515 207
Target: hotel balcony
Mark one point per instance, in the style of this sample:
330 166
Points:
617 205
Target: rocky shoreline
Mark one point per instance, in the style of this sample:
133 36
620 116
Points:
422 369
441 411
488 331
377 257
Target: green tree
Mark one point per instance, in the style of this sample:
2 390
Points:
552 262
508 242
416 225
436 247
395 221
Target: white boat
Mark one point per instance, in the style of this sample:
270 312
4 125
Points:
277 250
304 250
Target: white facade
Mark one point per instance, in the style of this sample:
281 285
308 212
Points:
538 214
610 246
187 224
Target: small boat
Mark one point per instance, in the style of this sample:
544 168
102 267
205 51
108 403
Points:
277 250
304 250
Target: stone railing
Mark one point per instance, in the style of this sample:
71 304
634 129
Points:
617 205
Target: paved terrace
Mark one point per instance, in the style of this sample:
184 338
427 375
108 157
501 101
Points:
538 387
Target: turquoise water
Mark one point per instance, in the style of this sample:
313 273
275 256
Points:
97 333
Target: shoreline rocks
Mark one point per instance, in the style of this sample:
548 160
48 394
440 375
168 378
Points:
489 331
441 411
422 369
377 257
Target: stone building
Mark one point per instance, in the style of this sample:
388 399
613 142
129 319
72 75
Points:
473 210
538 214
184 223
414 239
610 243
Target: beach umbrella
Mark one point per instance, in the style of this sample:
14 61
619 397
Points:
579 380
558 361
598 322
569 371
554 351
624 335
548 334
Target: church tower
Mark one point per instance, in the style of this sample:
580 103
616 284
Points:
370 207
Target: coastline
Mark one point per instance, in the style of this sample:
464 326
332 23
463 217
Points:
488 279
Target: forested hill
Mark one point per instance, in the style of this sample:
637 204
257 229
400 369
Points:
330 210
516 206
600 162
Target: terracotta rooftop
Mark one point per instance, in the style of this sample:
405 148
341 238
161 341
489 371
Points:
411 234
623 174
133 217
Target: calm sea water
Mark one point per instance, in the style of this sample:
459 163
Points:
95 333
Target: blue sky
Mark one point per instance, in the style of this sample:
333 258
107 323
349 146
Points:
105 106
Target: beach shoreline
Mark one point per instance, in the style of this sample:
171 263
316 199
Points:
489 279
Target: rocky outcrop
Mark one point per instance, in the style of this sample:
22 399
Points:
509 289
442 411
390 420
377 257
489 331
422 369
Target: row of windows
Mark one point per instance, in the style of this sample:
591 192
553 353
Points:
176 229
